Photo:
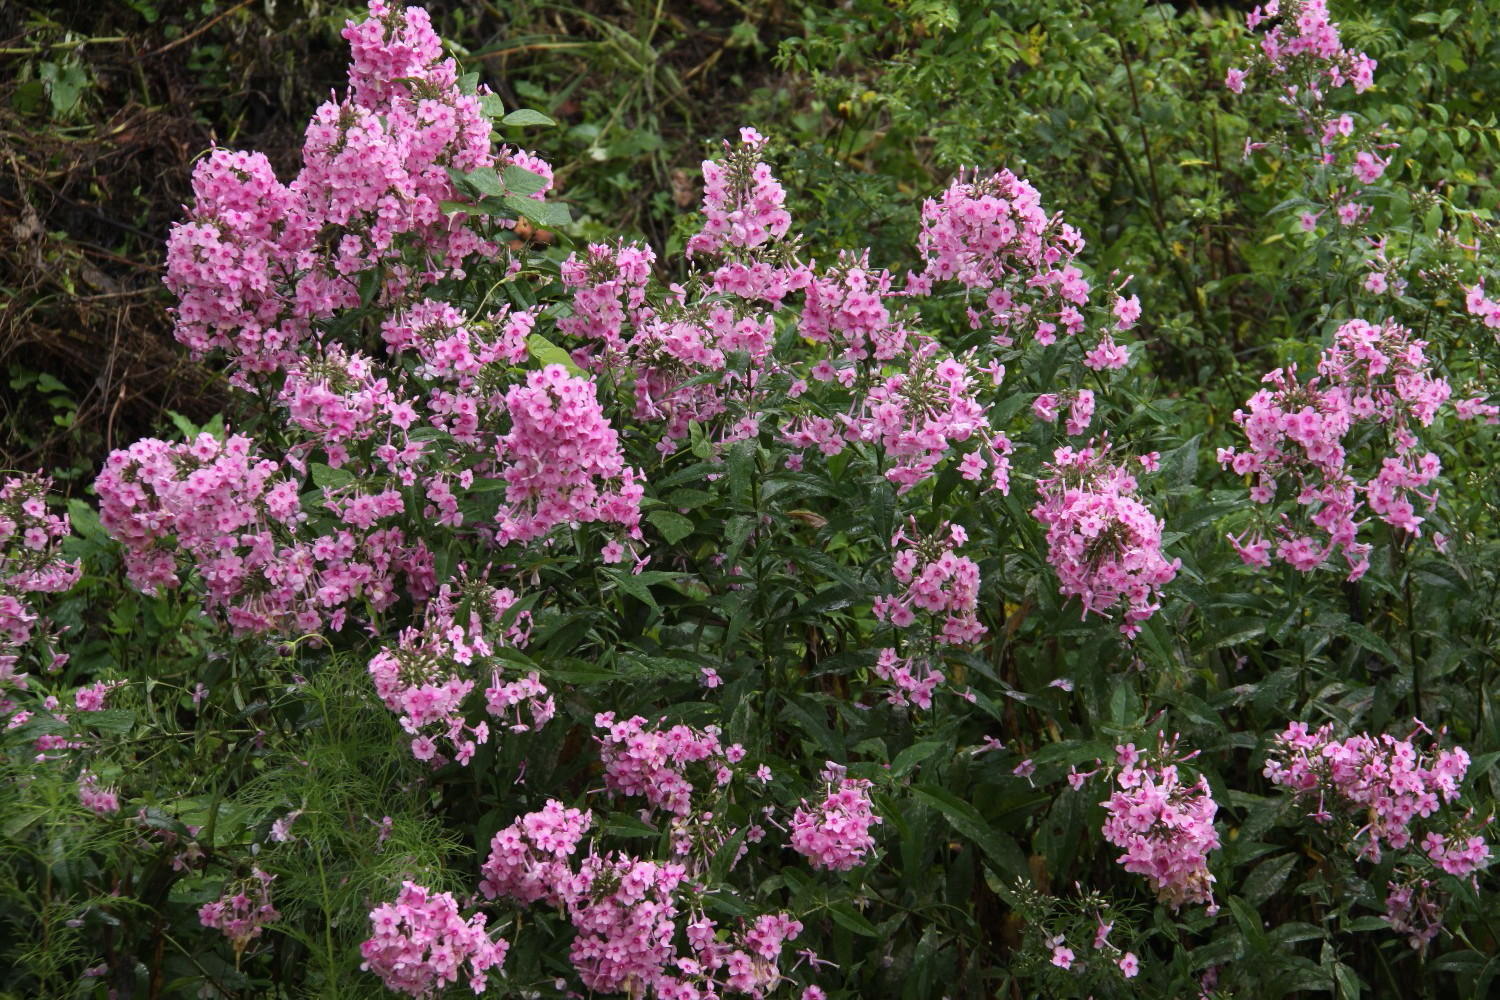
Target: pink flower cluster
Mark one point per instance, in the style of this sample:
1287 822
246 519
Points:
237 519
31 562
91 697
1080 404
922 415
742 201
1383 784
945 585
680 359
1063 957
626 913
1479 304
563 463
339 400
835 833
1301 45
654 763
100 800
1104 543
912 679
454 349
1372 377
429 674
529 859
242 911
420 943
1165 826
1302 58
1414 907
609 296
919 417
936 580
560 458
992 236
260 263
847 308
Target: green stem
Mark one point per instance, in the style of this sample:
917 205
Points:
329 959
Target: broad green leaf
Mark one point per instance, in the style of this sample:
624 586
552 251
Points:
548 353
963 817
526 116
485 181
673 527
519 180
914 755
547 214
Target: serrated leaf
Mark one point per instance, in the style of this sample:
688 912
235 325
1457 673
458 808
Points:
526 116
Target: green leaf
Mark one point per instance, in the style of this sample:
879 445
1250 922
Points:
118 721
185 427
547 353
492 106
519 180
1348 982
625 825
1249 923
327 477
485 181
724 857
1433 219
1268 876
673 527
914 755
546 214
1361 924
846 917
687 499
1237 632
741 462
526 116
85 521
963 817
638 585
1366 639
